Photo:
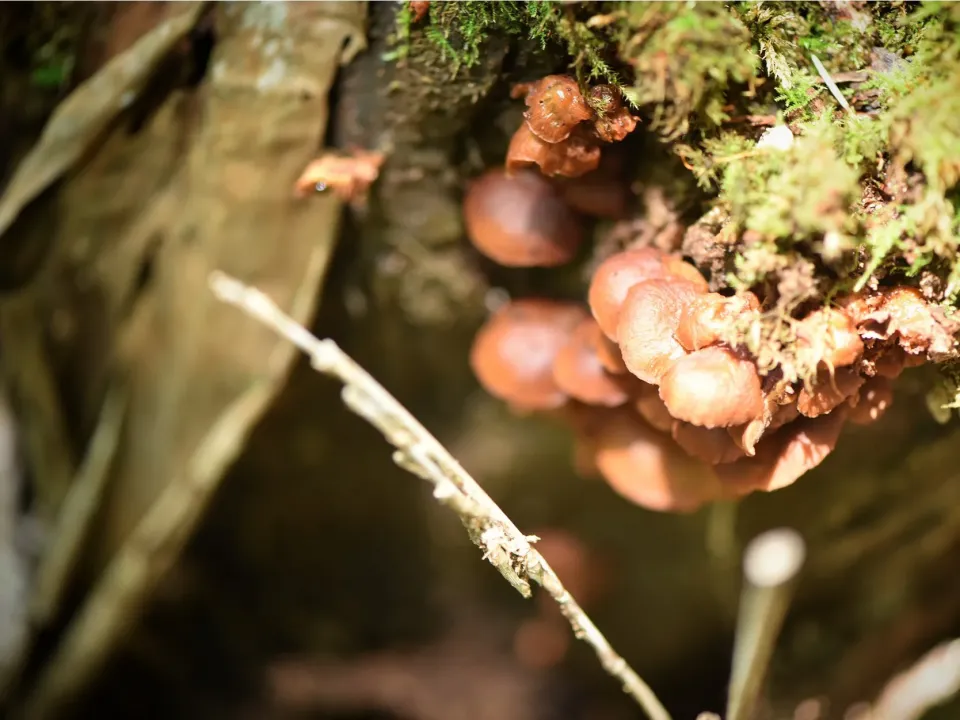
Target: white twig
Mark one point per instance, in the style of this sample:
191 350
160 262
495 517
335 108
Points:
420 453
831 85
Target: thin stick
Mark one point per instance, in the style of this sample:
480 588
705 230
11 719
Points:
420 453
771 563
831 85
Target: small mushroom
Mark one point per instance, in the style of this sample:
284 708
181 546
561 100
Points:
556 107
601 193
784 456
712 445
614 121
513 353
828 391
647 323
520 220
712 388
711 316
651 408
609 352
872 402
577 370
572 157
649 469
620 272
614 278
832 334
890 362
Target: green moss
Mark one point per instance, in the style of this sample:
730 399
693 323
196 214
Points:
684 56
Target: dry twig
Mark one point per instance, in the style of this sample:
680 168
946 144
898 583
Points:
417 451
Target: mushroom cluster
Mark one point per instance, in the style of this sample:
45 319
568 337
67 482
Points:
654 376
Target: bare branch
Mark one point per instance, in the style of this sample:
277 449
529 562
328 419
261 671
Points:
417 451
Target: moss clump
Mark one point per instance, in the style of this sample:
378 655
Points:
673 60
684 56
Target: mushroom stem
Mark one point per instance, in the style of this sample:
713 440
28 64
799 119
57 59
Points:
771 564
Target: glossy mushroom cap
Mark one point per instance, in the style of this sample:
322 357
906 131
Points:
712 388
572 157
520 220
578 371
647 323
711 316
619 273
513 353
649 469
556 107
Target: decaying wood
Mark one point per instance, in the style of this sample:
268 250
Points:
217 193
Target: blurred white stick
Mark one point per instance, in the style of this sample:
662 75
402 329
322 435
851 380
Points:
771 563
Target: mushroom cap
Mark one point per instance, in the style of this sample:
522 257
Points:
608 351
614 278
650 407
871 402
572 157
614 121
519 220
577 370
829 390
513 353
786 455
709 317
649 469
712 445
596 195
712 388
619 273
648 321
833 335
556 107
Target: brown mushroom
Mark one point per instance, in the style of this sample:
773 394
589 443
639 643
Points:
609 352
614 121
650 407
596 194
712 388
648 321
872 401
710 317
649 469
784 456
577 370
712 445
556 107
513 353
520 221
620 272
614 278
779 408
572 157
828 391
832 335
